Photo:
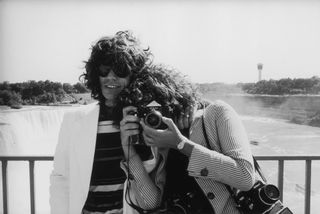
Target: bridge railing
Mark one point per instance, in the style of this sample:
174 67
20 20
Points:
280 159
308 171
31 160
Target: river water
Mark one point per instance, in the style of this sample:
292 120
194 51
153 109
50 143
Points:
34 131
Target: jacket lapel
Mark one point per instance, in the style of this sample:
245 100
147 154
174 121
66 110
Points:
84 133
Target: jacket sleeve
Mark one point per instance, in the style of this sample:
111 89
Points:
59 178
146 186
230 161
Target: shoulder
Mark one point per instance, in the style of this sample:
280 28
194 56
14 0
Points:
218 108
214 111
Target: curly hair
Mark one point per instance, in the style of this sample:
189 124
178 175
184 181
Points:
122 52
165 85
172 86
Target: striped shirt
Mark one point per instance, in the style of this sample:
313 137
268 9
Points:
107 178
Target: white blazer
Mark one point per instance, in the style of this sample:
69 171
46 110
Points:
73 160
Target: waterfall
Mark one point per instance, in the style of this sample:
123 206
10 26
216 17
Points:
30 131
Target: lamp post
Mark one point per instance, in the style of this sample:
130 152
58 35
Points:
260 66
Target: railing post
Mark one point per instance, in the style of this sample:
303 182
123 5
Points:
4 186
308 187
280 177
31 175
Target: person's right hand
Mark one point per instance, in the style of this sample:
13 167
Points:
129 125
185 118
167 138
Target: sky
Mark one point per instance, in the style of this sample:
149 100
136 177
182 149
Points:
209 41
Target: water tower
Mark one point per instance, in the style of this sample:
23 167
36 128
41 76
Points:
260 66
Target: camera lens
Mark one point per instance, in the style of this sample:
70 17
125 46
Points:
270 193
153 119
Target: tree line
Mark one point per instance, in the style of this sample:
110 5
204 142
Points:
36 92
284 86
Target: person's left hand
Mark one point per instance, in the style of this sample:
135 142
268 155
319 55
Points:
168 138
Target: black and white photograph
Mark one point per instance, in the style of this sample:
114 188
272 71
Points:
159 107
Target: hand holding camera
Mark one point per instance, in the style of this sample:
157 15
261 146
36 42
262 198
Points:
150 107
151 116
167 138
129 125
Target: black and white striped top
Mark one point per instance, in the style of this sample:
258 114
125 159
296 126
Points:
107 178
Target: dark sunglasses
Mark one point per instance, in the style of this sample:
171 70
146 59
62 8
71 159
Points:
121 73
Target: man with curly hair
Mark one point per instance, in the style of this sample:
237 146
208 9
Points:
91 164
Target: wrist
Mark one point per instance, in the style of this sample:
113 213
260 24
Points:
129 152
185 146
181 143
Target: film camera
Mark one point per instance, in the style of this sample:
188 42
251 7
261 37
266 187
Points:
150 102
152 116
261 198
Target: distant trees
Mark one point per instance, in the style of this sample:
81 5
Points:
272 87
10 98
80 88
284 86
32 92
219 88
68 88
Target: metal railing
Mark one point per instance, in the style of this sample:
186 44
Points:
308 161
31 160
280 159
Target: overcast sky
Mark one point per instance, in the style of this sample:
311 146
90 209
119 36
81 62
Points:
210 41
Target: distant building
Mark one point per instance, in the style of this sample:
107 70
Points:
260 66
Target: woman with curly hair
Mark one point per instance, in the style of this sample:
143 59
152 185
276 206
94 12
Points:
93 158
205 158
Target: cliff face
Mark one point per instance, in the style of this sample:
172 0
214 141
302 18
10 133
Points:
301 109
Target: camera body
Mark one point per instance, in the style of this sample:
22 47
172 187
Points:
261 198
151 114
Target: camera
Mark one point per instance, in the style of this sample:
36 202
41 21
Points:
261 198
151 114
151 101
